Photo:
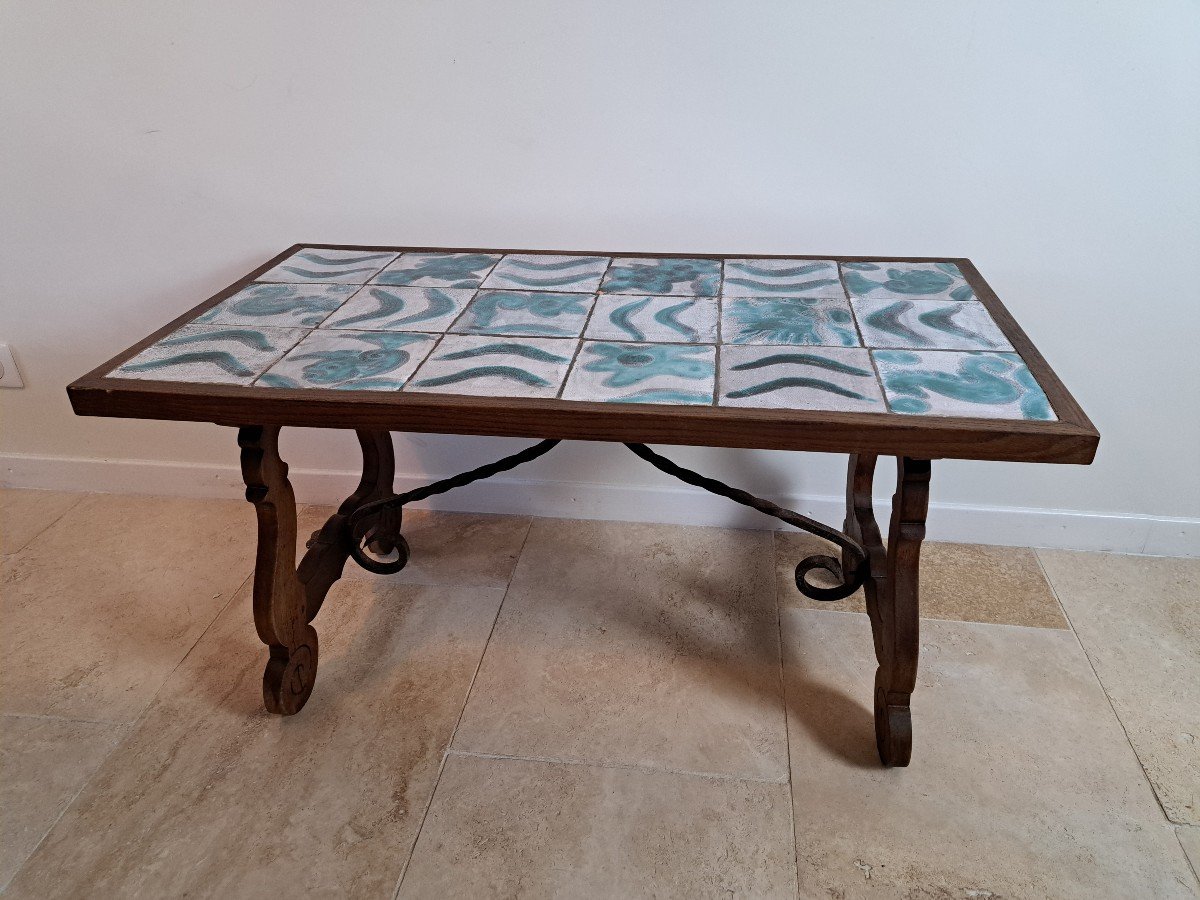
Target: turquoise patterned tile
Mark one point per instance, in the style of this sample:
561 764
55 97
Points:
376 308
496 366
928 325
282 305
670 320
794 321
528 313
636 275
543 272
211 354
444 270
951 383
350 361
340 266
777 277
906 281
643 373
812 378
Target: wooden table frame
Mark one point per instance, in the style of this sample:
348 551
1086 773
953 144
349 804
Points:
288 596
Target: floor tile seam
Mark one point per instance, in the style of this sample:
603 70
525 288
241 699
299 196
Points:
787 731
1108 699
626 767
78 720
1032 629
458 721
1187 857
82 495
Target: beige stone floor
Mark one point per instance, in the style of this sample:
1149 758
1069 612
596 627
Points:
555 708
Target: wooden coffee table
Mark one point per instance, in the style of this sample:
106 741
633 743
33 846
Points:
911 358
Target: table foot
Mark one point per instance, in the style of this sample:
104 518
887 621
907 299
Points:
892 593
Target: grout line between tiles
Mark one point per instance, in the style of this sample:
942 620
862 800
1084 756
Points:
783 696
466 699
49 717
1186 856
631 767
1104 690
82 496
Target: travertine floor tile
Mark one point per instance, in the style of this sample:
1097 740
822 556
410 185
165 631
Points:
213 797
25 514
1138 617
517 828
43 764
960 582
101 606
447 547
1022 783
635 644
1189 839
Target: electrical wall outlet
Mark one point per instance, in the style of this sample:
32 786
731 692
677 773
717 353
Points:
9 376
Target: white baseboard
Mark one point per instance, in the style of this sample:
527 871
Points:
1013 526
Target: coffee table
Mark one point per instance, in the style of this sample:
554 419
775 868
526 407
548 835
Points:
914 358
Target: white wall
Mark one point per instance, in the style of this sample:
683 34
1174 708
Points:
154 151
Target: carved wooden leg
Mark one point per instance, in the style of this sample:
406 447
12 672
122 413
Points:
892 593
280 613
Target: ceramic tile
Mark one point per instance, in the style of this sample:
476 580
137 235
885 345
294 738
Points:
528 313
1021 784
443 270
211 354
284 305
631 644
350 361
951 383
1189 839
1138 618
43 764
961 582
668 320
642 373
401 309
784 378
26 514
638 275
543 272
928 325
906 281
101 607
772 277
496 366
340 266
211 796
796 321
519 828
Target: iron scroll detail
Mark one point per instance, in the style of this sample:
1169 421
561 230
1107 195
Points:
375 527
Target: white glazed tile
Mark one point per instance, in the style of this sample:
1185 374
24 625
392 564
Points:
641 275
281 305
547 272
790 321
445 270
827 378
211 354
350 361
670 320
483 365
643 373
385 308
779 277
928 325
954 383
526 313
340 266
906 281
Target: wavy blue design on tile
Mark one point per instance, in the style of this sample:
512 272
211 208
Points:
329 367
508 372
668 316
979 379
790 287
254 339
942 319
348 261
790 381
801 359
534 353
917 282
309 273
628 365
888 320
621 316
663 395
586 271
488 304
464 271
222 359
767 281
702 275
790 321
390 304
269 301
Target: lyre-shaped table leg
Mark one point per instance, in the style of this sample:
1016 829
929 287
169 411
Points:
892 593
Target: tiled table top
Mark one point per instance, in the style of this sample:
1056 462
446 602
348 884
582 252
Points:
896 338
